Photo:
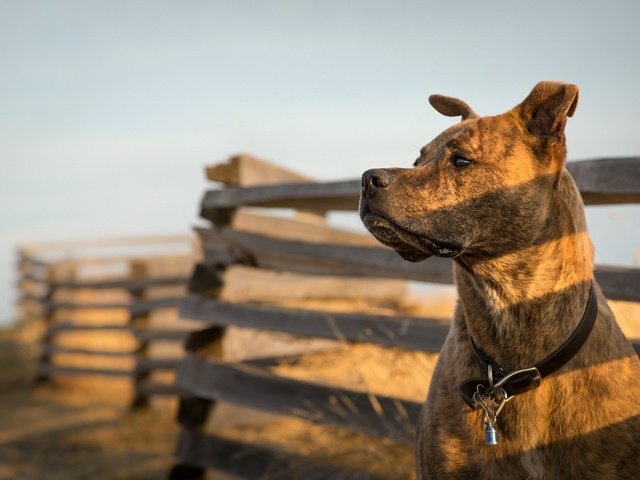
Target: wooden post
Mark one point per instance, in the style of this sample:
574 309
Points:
54 274
138 269
193 412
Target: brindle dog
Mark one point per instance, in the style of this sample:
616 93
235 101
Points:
492 193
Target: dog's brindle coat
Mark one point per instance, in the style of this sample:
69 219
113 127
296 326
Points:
493 193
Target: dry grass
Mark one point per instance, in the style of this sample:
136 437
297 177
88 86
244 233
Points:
368 368
325 445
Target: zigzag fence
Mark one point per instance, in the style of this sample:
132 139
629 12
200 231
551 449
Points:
107 308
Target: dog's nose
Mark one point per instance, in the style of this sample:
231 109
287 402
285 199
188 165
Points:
376 178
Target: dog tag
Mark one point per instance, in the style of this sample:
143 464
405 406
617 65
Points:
490 435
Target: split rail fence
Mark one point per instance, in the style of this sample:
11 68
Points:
305 245
107 308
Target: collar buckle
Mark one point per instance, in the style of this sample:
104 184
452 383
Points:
520 381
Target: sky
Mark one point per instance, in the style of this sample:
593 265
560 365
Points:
109 110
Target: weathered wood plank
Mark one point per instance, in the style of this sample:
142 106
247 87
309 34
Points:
143 307
31 250
607 180
275 360
51 349
247 170
603 181
253 461
54 305
67 326
247 284
145 365
155 335
48 370
404 332
326 259
123 283
301 196
618 283
253 387
291 229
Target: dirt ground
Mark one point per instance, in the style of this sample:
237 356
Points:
77 429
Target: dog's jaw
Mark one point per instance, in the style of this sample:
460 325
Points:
410 246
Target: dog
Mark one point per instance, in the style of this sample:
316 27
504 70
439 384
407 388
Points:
535 378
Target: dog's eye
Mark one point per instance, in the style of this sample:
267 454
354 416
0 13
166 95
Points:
460 162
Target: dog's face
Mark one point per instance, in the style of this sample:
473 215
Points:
473 180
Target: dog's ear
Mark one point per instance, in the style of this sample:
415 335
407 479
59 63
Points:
452 107
545 110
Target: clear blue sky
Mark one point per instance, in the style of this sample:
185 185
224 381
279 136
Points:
110 109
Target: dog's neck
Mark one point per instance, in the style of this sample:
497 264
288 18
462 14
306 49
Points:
521 306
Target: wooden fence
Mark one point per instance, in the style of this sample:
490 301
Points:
107 308
305 245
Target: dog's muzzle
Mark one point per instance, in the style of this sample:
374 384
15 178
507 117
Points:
409 245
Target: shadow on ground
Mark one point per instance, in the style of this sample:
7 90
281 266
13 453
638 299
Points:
76 429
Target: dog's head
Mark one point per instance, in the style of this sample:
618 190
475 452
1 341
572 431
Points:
481 186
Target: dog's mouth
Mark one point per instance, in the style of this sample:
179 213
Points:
411 247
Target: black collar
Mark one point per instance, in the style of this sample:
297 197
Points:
522 381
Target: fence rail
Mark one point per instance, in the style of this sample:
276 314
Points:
595 180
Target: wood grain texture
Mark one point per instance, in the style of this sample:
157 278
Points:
329 196
249 284
320 259
256 388
403 332
602 181
618 283
292 229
